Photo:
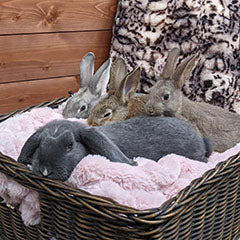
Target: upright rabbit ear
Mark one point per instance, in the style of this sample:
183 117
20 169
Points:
184 70
170 64
30 147
87 69
129 84
99 82
117 72
98 143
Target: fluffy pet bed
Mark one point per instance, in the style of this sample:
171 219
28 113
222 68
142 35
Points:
146 186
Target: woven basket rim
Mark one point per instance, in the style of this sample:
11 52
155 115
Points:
24 176
55 102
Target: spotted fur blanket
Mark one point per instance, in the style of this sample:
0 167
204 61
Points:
144 31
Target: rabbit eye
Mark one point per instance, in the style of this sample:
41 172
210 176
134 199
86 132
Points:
107 114
82 108
69 147
166 97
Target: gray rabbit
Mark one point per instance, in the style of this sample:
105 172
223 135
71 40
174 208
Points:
167 99
55 149
121 102
91 88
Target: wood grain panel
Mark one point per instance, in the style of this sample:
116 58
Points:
31 16
38 56
23 94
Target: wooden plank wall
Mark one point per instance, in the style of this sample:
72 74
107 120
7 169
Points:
42 43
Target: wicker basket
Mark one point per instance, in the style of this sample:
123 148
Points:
207 209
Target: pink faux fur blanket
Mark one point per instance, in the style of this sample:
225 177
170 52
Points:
146 186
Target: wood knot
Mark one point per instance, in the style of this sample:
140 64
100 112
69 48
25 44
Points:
45 68
16 17
2 64
52 16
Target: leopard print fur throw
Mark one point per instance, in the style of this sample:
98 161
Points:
145 30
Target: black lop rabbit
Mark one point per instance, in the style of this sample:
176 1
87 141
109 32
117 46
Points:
55 149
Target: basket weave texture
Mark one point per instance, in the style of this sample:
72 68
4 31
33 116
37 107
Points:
207 209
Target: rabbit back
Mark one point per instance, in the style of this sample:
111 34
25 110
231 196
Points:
221 125
155 137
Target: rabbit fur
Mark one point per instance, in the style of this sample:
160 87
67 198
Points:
167 99
55 149
121 102
92 86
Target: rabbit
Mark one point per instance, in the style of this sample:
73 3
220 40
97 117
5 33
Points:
91 89
167 99
121 102
55 149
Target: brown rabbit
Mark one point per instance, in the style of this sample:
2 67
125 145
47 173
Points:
166 99
121 101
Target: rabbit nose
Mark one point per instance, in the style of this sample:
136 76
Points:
45 172
150 110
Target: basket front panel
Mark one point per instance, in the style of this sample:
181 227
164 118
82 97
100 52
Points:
64 220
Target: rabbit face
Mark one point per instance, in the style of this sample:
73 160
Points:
91 89
108 110
80 104
115 106
164 99
57 164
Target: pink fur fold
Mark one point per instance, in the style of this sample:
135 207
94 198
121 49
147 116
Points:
146 186
30 208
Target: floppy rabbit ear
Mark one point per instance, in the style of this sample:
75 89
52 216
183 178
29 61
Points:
117 72
86 69
30 147
170 64
99 82
98 143
129 85
184 70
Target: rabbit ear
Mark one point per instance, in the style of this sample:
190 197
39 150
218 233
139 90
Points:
30 147
129 85
184 70
86 69
98 143
100 79
170 64
117 72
